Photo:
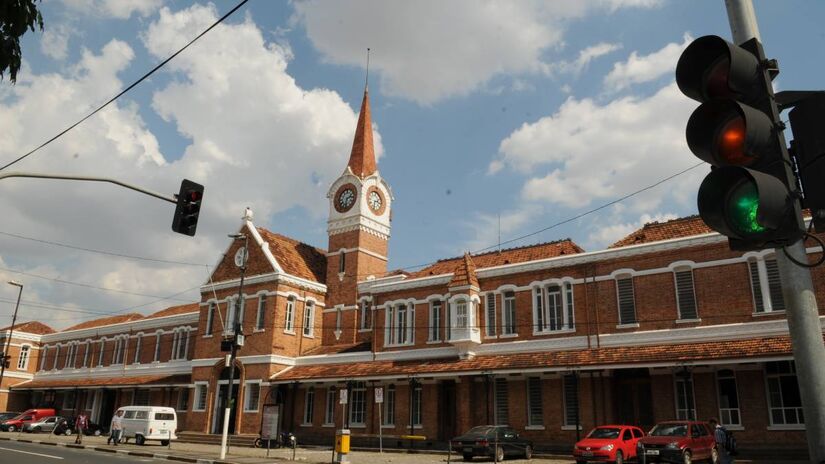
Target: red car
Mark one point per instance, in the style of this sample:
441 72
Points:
608 443
678 442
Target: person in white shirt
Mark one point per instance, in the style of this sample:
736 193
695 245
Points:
116 428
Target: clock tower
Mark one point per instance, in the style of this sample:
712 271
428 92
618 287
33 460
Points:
359 221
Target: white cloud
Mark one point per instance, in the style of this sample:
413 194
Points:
255 139
607 233
416 45
120 9
639 69
586 55
55 41
484 228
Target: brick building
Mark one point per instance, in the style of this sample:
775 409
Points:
548 338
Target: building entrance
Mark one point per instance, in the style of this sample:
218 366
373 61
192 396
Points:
633 397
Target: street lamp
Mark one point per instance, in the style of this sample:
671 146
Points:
237 336
6 356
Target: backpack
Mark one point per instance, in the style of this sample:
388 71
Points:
730 441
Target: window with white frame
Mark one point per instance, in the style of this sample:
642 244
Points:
69 349
366 320
685 404
329 411
388 417
490 315
156 357
180 343
200 397
501 409
435 321
141 397
56 355
403 324
73 355
508 316
183 399
342 261
43 355
23 360
309 318
448 314
728 398
210 318
339 319
86 352
535 410
260 314
571 399
101 348
626 300
784 400
357 404
252 396
766 285
553 308
309 406
417 405
289 322
138 346
118 355
685 294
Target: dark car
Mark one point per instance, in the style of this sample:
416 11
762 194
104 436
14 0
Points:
94 429
678 441
495 441
4 416
608 443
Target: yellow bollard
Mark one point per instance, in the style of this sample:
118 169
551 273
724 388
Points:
342 437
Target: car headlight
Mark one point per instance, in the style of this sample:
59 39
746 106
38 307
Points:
672 445
607 447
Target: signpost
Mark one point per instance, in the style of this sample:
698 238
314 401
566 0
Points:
269 424
379 400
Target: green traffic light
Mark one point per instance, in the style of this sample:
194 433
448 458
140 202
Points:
743 205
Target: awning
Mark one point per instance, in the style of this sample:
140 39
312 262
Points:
145 381
712 352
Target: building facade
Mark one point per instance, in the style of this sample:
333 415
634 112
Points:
667 323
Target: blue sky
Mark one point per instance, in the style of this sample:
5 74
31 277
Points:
531 111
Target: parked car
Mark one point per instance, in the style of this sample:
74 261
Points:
678 441
149 423
64 427
46 424
94 429
16 423
4 416
608 443
496 441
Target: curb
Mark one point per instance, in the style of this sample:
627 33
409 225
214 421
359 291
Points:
143 454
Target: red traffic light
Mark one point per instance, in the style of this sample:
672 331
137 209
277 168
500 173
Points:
187 210
725 133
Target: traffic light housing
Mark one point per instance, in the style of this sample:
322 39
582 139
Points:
6 361
750 194
808 125
188 208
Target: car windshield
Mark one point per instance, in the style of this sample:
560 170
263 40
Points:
669 430
480 430
604 432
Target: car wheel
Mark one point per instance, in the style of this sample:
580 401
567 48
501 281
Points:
97 432
68 432
619 457
164 442
528 452
140 440
499 454
714 456
12 428
687 458
468 457
37 429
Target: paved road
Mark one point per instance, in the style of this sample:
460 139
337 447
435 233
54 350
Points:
28 453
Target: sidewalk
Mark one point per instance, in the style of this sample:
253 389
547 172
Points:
208 454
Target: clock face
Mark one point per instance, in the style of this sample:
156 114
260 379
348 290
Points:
374 200
241 257
346 199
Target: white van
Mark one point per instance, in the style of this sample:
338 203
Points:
149 423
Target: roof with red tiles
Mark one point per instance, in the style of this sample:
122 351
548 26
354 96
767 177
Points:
297 258
465 273
362 157
658 231
32 327
506 256
614 356
105 321
175 310
116 381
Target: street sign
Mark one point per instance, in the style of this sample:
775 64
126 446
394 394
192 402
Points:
342 398
379 395
269 425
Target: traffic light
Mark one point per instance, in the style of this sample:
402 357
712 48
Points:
808 125
6 361
188 208
749 196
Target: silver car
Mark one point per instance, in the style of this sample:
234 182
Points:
46 424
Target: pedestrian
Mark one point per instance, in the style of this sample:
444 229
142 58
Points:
81 424
116 428
720 435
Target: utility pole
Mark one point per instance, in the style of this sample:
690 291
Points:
6 355
237 339
798 290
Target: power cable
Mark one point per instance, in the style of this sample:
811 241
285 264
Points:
142 78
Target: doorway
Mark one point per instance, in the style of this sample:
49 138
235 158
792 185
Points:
447 410
107 407
220 407
633 397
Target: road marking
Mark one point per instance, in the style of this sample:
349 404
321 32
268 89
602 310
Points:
35 454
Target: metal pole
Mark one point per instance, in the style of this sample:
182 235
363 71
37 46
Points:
798 290
34 175
11 332
380 429
235 332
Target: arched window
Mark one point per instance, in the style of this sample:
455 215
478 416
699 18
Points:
289 320
23 361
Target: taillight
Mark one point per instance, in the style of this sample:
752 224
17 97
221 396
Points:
150 431
482 442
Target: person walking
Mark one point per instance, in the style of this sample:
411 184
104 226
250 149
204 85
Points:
720 435
81 424
116 429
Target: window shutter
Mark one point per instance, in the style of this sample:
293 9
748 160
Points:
627 306
686 297
571 400
501 395
534 409
774 285
755 287
491 314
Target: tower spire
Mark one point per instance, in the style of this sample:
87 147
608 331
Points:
362 158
